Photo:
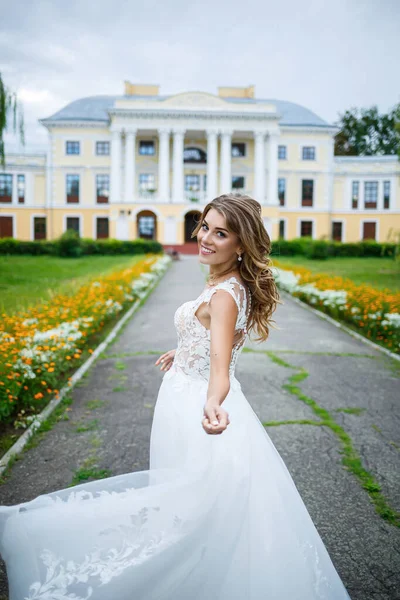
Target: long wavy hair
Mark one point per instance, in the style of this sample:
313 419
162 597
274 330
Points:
243 217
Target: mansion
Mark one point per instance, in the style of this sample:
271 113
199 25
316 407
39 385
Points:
144 165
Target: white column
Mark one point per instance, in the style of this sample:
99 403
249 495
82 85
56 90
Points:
130 138
212 138
116 144
49 173
272 197
259 166
177 181
163 165
226 151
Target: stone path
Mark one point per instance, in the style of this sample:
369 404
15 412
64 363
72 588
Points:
303 374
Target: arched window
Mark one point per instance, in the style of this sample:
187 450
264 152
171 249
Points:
194 155
191 220
147 225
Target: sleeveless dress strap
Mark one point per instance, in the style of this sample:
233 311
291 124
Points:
228 286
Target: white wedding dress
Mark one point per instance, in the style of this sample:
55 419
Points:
216 517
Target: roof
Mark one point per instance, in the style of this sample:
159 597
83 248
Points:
95 108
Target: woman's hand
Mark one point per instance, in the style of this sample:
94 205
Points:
166 360
215 420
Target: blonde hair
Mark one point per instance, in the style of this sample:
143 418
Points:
243 217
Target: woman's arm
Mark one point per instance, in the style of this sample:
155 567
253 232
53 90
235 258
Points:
223 315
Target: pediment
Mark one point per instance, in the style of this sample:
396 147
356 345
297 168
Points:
195 100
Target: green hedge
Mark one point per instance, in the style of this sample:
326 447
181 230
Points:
70 245
321 249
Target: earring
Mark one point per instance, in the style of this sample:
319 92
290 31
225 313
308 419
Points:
239 257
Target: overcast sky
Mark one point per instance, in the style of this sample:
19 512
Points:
325 55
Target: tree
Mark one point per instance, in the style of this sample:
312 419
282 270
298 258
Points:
9 106
364 132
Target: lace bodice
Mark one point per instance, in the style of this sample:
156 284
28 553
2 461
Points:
193 352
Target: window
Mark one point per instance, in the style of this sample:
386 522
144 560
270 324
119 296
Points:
337 231
194 155
72 147
306 228
192 183
205 183
282 228
146 226
21 189
282 153
72 189
238 149
39 228
281 191
308 152
147 147
386 194
73 223
237 182
355 194
146 182
6 184
102 228
6 226
370 194
102 188
102 148
307 192
369 231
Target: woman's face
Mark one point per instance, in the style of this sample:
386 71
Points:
214 235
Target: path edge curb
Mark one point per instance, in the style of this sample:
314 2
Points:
20 444
333 321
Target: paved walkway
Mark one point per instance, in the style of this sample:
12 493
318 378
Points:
107 427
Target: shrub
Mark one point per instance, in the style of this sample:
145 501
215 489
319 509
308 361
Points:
69 244
318 250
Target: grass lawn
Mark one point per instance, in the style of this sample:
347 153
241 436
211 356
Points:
29 280
379 273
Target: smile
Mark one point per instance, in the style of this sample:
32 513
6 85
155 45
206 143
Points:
205 250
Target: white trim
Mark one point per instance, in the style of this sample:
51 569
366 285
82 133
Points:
343 222
286 152
240 190
376 221
314 228
360 159
80 217
72 138
32 227
95 203
94 225
308 160
95 139
285 219
313 206
14 223
72 204
239 141
137 210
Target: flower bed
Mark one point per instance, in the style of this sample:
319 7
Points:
39 346
374 313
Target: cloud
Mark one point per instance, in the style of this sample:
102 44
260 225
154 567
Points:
327 56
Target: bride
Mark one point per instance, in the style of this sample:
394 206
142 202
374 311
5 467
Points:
217 516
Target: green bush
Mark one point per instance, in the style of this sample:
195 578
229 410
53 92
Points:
318 250
322 249
69 244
